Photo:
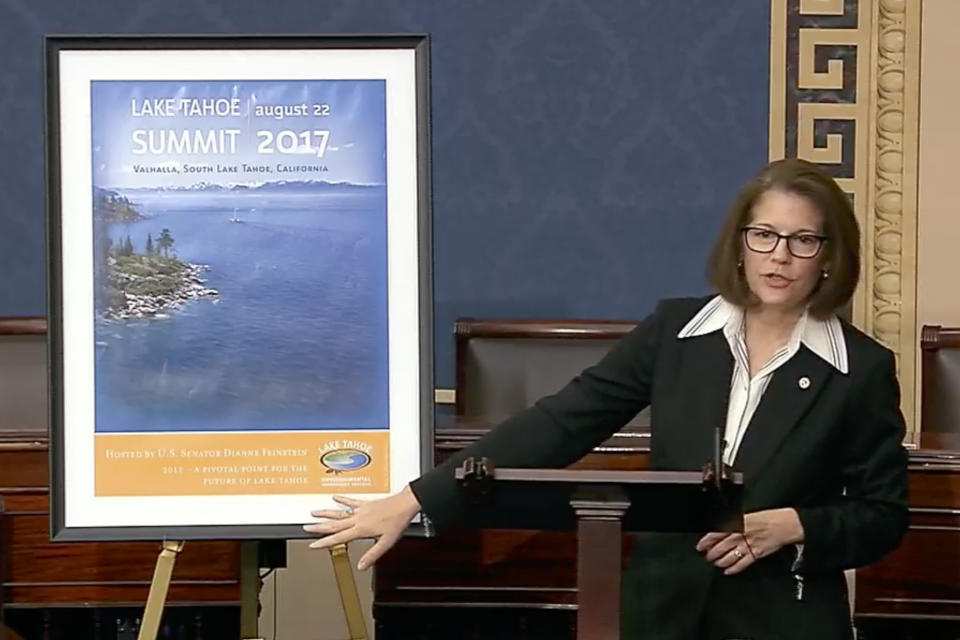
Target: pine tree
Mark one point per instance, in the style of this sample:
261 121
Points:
165 241
149 249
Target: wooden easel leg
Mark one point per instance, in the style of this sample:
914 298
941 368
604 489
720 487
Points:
158 590
348 592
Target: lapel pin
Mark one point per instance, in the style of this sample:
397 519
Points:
804 382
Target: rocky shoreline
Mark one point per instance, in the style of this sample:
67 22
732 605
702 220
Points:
147 295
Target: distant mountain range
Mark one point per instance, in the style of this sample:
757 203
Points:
277 186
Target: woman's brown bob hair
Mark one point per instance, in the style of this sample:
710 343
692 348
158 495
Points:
840 253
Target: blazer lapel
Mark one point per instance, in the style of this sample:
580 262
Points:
707 361
792 389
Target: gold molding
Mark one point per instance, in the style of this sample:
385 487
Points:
895 133
881 104
807 115
776 138
821 7
812 38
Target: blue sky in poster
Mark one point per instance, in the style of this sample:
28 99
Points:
182 133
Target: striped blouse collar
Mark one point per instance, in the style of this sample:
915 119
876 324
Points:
823 337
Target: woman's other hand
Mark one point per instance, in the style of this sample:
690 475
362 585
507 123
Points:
764 533
384 520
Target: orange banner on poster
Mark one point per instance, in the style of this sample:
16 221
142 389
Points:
178 464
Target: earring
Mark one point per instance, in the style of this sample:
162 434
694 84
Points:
825 275
740 263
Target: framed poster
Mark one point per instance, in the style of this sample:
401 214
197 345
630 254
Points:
239 280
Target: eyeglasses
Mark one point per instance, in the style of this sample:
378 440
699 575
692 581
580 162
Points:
800 245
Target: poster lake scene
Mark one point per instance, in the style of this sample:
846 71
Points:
235 290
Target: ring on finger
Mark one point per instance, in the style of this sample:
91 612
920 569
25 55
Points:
738 553
348 511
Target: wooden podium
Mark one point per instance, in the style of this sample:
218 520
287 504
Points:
600 506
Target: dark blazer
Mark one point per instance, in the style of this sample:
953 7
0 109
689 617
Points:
831 450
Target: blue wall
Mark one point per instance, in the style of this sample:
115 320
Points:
584 150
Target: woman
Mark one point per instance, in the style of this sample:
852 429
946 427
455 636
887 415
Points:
811 413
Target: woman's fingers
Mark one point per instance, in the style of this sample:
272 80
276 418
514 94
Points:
351 505
330 526
337 514
723 547
373 554
384 519
344 536
348 501
709 540
732 554
764 533
740 562
331 514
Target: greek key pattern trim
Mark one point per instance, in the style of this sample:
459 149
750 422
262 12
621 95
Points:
844 94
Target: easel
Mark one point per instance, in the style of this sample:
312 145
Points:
159 585
249 590
349 597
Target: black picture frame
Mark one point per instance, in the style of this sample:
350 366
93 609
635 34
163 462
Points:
61 314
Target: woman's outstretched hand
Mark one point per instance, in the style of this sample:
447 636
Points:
383 519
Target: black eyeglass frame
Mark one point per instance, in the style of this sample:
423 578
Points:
784 236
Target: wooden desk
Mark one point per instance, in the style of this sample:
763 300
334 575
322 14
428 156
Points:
5 632
918 585
523 584
84 587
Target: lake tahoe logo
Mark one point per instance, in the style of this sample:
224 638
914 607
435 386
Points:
341 460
